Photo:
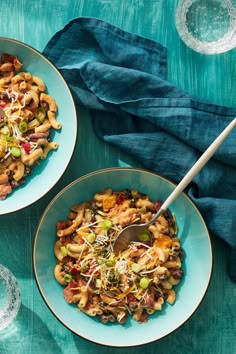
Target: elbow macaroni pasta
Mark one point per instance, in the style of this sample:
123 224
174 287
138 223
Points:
30 114
139 280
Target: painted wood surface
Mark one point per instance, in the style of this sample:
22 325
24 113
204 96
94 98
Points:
212 329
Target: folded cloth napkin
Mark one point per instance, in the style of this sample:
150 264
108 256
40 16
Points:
122 79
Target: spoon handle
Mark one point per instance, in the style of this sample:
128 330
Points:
198 165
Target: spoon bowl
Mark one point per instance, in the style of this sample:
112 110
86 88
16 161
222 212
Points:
133 233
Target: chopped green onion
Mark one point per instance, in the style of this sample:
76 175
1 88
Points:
144 236
5 130
136 267
9 138
91 238
67 277
64 251
98 283
15 151
144 282
101 213
107 224
23 126
110 262
99 261
40 114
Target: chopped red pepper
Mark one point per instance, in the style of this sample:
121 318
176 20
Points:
158 204
131 298
73 271
143 317
89 306
26 147
120 199
61 225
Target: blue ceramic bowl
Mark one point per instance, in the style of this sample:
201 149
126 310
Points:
50 170
195 242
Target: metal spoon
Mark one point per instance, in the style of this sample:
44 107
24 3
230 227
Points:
132 232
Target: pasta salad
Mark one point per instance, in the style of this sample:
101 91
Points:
28 113
135 283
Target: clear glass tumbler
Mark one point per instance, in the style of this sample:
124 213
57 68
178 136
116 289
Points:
10 297
207 26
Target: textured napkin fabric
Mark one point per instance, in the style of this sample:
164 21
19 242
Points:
122 79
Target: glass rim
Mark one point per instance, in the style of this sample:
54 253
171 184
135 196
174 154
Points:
223 44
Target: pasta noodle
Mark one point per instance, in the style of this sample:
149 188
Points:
136 282
30 114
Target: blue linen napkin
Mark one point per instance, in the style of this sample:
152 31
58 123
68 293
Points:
122 79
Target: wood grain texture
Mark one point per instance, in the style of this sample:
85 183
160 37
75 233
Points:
212 328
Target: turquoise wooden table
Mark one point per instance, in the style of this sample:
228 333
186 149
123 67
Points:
212 329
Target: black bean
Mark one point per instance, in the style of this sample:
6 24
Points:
177 273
